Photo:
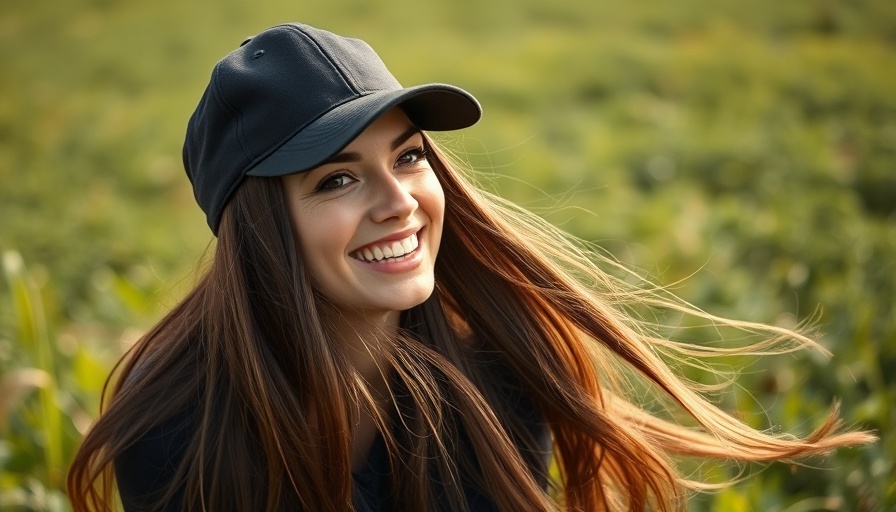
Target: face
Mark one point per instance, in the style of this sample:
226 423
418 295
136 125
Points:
369 220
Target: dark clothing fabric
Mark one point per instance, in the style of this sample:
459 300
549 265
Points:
146 469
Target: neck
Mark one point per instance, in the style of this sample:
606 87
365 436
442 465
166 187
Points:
366 337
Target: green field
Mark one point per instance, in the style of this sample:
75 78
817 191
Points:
742 152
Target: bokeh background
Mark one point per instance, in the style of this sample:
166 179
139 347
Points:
743 152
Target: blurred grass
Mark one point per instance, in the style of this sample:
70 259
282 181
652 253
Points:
746 148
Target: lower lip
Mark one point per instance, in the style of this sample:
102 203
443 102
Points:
398 265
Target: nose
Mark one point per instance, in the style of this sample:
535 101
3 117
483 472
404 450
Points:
393 199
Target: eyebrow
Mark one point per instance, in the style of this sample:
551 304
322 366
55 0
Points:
352 156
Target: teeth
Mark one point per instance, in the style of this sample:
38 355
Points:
394 249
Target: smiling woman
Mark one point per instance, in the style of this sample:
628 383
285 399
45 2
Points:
376 333
368 221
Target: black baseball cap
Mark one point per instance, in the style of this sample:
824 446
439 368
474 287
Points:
291 97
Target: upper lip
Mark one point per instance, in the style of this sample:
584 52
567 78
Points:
401 235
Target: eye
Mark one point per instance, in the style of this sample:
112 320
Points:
334 181
412 156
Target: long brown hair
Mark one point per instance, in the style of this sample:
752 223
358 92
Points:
249 348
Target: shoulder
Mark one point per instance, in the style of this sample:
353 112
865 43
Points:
148 468
519 411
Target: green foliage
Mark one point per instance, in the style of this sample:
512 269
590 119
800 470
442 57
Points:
43 385
745 151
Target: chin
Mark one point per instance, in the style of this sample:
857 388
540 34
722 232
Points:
408 300
418 301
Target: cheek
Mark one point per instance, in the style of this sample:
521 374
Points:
431 198
434 205
321 238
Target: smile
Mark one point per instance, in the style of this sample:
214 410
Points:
393 250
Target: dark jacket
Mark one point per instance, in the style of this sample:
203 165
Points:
146 468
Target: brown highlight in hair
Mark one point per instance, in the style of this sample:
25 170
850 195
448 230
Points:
247 357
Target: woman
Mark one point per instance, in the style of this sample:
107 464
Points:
329 360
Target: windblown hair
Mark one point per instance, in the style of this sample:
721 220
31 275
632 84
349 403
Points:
249 348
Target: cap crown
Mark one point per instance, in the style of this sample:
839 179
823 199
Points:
266 91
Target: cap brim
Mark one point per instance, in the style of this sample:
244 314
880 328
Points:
436 107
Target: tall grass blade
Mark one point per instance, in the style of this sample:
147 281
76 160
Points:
33 336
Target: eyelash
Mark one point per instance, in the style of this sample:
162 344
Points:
420 153
321 187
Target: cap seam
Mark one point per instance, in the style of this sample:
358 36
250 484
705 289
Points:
298 28
219 98
329 58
